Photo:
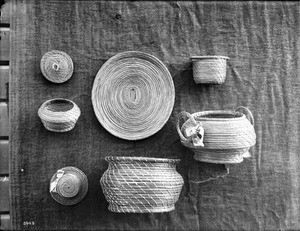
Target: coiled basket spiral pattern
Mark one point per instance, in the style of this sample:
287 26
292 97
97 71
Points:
57 66
69 185
133 95
227 135
141 184
59 115
209 69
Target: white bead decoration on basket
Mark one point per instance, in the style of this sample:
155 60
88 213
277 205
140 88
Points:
59 115
57 66
141 184
133 95
228 135
209 69
69 185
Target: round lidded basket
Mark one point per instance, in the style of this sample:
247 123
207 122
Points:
228 135
133 95
141 184
57 66
69 185
59 115
209 69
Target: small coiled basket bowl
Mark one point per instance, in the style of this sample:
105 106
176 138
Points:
69 185
59 115
209 69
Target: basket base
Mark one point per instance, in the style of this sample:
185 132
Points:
232 159
139 209
220 156
207 82
59 128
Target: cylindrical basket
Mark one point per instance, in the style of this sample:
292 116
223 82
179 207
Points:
57 66
59 115
227 135
209 69
141 184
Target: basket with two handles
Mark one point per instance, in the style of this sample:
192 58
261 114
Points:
218 136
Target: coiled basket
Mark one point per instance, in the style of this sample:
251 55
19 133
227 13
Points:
228 135
133 95
59 115
141 184
57 66
69 185
209 69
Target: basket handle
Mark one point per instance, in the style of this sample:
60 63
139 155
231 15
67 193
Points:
179 116
248 113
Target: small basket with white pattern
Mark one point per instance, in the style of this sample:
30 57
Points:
209 69
69 185
141 184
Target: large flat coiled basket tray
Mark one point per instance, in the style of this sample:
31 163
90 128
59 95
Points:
133 95
141 184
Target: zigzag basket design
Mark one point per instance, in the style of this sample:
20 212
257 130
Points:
141 184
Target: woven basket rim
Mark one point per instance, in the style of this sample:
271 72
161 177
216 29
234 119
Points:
199 116
140 159
113 126
52 101
209 57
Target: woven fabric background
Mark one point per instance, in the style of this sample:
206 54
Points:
263 74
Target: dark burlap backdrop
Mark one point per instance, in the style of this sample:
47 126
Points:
263 43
